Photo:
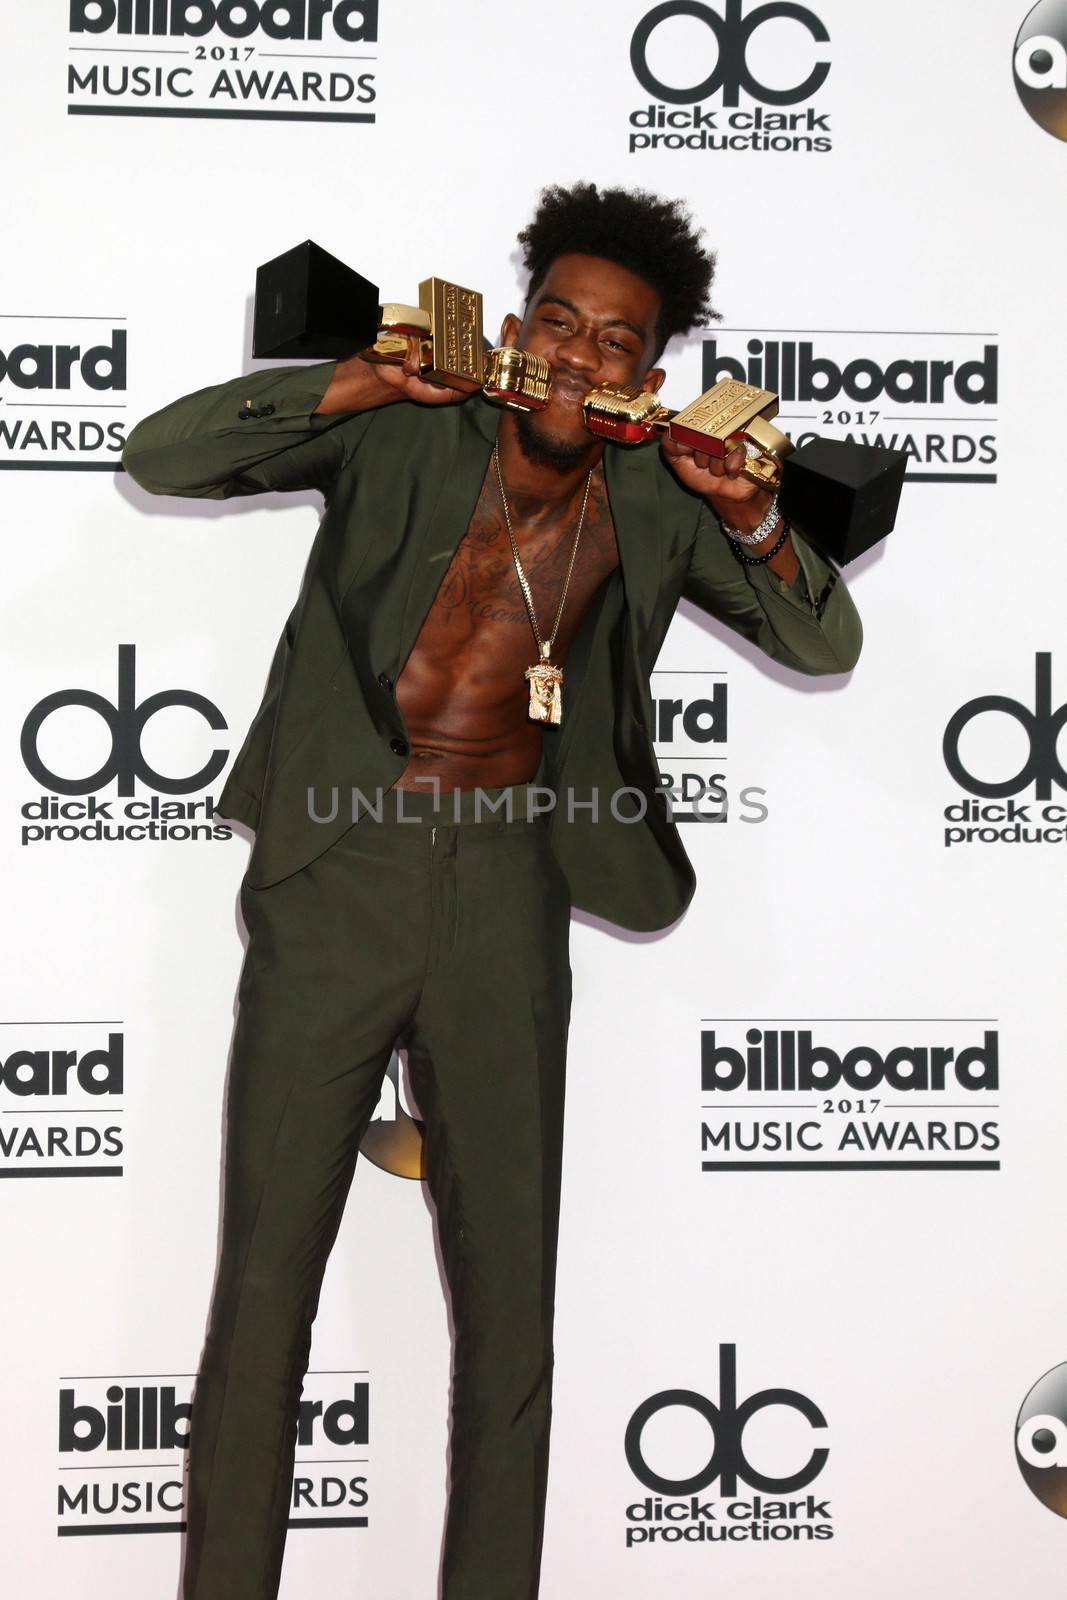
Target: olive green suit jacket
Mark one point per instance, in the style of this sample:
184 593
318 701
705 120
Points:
400 485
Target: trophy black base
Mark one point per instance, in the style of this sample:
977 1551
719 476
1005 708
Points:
843 497
310 305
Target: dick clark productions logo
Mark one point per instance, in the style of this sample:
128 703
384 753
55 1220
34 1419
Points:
1040 66
662 59
51 819
1041 1439
995 816
685 1517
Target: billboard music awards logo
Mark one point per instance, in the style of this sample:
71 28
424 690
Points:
273 60
734 76
666 1445
932 395
1041 1440
61 1084
689 732
59 753
62 392
824 1095
1012 803
1040 66
122 1444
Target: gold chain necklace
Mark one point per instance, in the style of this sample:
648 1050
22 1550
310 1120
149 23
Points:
545 678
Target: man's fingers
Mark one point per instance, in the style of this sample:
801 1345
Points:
683 452
673 449
735 461
433 394
411 359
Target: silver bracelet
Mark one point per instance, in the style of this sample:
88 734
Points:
757 536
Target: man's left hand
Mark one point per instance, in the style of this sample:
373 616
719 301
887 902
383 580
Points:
736 499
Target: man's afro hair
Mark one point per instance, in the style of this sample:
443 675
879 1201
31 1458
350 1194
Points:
649 236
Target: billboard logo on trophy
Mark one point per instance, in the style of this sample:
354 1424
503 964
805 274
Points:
63 754
729 77
268 60
1041 1439
1040 66
666 1444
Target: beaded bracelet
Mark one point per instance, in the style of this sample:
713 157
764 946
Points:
759 561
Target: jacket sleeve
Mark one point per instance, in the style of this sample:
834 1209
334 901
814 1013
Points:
248 436
811 624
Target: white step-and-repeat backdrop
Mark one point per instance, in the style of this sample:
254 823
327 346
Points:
814 1199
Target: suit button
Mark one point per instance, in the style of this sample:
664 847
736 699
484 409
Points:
398 747
267 410
385 682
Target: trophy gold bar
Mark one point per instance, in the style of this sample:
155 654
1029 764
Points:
456 333
448 325
724 416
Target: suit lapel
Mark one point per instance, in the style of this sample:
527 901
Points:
633 494
462 473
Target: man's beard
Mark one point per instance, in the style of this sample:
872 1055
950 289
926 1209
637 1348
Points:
541 450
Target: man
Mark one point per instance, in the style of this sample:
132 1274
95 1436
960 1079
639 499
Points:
462 547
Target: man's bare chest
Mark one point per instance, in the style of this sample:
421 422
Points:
480 598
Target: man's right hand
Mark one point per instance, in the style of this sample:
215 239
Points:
361 385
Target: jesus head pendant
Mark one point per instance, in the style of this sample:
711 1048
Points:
545 700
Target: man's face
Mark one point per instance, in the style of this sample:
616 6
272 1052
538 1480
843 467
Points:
594 322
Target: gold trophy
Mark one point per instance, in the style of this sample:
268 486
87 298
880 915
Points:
841 495
311 305
446 325
727 415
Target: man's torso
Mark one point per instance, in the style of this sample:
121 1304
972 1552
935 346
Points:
462 690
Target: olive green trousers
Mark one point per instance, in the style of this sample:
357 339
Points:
450 937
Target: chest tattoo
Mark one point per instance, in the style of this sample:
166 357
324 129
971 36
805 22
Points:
481 584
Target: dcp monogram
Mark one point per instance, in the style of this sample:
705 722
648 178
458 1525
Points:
733 33
126 721
1043 727
727 1421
